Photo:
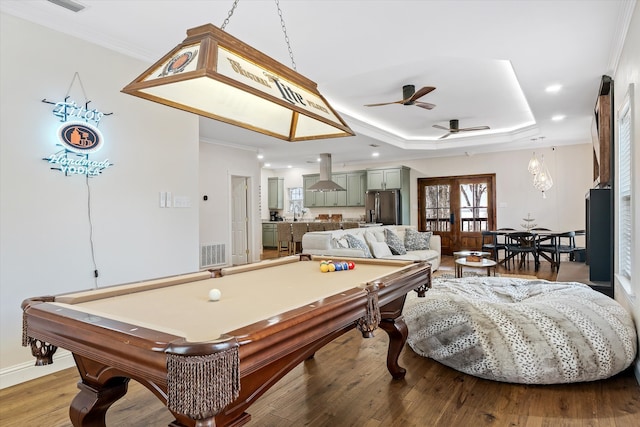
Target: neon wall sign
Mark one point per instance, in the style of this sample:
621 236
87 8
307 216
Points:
79 137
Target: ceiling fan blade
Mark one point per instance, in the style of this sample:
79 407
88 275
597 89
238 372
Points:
424 105
421 92
384 103
475 128
445 135
441 127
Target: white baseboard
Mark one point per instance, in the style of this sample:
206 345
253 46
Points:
27 371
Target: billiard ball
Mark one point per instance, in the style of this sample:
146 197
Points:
332 267
338 266
324 267
214 294
352 265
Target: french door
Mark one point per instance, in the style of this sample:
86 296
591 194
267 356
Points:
458 208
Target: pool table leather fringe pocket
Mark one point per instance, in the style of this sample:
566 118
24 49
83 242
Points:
201 386
371 319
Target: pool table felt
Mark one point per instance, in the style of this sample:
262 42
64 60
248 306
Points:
257 294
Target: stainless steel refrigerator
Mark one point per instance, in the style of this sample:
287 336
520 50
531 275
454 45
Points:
383 206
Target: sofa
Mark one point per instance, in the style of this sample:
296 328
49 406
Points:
400 242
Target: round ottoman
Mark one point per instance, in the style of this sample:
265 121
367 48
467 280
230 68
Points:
521 331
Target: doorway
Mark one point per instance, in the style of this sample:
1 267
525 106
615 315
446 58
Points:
458 209
239 220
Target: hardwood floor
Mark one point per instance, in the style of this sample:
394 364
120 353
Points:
347 384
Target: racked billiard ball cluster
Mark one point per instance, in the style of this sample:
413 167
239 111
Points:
331 266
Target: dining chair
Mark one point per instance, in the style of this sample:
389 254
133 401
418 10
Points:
490 244
572 255
564 243
521 243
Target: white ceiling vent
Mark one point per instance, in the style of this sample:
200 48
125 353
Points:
68 4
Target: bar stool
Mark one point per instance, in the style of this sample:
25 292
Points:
316 226
284 237
346 225
299 230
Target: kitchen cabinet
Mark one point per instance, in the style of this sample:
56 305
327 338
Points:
269 235
276 193
387 179
356 188
312 199
337 198
354 182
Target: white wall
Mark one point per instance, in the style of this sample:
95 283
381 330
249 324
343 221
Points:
628 72
218 163
44 227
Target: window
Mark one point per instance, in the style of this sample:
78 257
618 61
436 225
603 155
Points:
625 190
295 200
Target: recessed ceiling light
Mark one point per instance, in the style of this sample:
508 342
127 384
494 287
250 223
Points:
289 166
267 165
375 154
318 160
261 156
553 88
558 117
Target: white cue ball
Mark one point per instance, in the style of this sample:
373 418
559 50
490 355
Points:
214 294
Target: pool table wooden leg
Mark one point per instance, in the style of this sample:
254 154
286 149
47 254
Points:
398 332
98 391
90 406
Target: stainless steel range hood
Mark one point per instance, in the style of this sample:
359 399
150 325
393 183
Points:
325 183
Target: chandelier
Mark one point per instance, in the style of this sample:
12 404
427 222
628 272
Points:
542 180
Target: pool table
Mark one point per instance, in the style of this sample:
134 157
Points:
208 361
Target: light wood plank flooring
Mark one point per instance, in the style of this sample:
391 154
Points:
347 384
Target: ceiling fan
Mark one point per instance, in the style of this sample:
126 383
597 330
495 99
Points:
454 128
410 97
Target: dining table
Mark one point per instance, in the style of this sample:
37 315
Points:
538 237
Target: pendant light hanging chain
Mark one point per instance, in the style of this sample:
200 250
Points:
284 28
286 37
233 8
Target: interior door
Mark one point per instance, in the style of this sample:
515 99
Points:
458 208
239 220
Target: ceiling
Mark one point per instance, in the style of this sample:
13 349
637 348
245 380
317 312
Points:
490 62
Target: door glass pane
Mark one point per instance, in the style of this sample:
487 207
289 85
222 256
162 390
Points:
473 207
437 207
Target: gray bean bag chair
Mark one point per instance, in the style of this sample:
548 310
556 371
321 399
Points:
521 331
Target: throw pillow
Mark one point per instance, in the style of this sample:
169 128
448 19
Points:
380 249
354 242
394 242
340 243
417 241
